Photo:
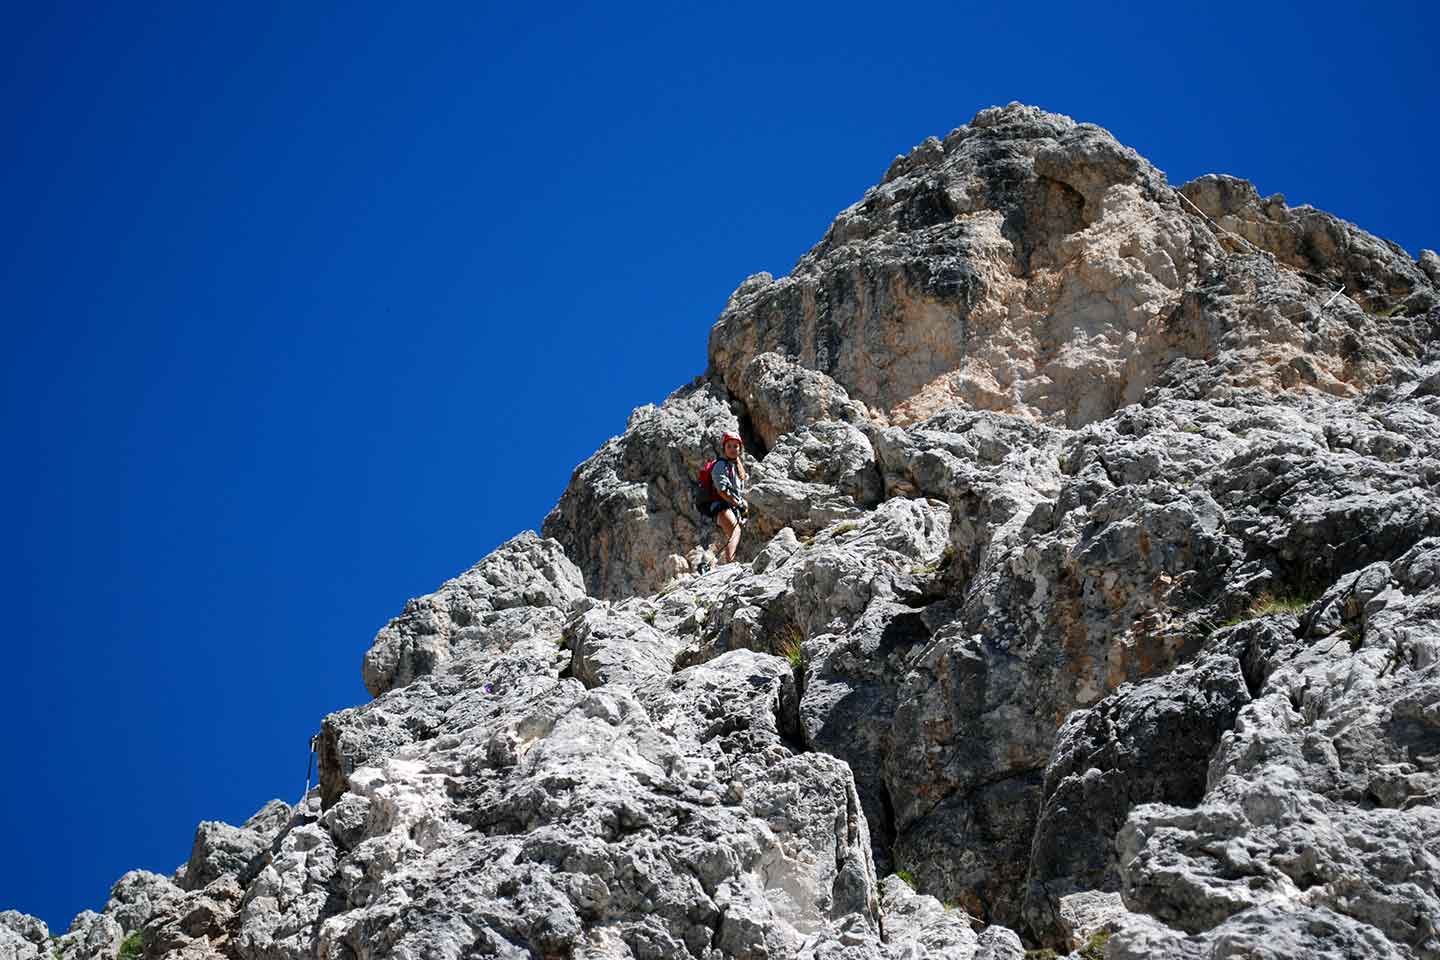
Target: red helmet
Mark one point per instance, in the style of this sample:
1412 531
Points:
727 436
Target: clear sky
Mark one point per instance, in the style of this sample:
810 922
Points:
306 308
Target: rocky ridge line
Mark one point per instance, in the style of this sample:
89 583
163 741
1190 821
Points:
1092 589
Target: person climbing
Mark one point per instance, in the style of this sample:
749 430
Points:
727 506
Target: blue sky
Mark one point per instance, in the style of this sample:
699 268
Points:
306 308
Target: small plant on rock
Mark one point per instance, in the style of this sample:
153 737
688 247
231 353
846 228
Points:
1269 603
1094 948
131 947
1266 604
790 644
935 566
907 876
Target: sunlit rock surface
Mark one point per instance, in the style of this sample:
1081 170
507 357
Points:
1090 599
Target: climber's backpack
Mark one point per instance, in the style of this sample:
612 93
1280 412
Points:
705 488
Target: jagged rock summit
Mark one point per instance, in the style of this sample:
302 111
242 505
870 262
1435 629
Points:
1091 601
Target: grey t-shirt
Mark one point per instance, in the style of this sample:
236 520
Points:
726 479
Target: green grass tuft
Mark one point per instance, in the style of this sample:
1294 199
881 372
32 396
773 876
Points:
935 566
790 644
1269 603
907 876
131 947
1094 948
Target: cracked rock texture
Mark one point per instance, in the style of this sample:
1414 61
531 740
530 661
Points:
1091 594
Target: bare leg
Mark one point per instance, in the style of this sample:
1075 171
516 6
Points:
729 533
721 536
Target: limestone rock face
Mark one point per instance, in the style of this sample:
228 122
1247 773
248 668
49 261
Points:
1148 742
1327 784
1029 264
781 396
1378 276
629 507
814 476
138 896
517 652
91 935
1429 264
22 937
526 572
614 646
1090 594
670 813
222 850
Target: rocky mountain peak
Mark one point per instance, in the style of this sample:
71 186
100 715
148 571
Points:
1090 600
1028 264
